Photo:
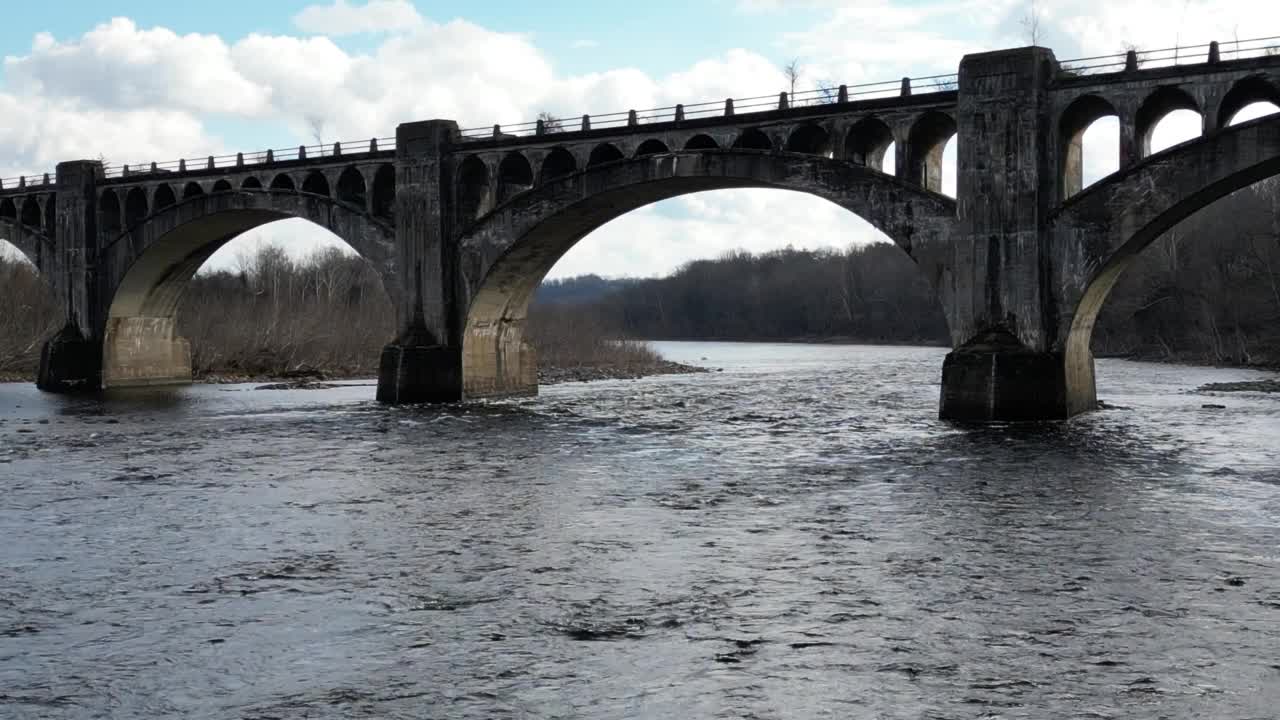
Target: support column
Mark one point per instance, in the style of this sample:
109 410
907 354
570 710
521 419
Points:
1001 307
72 359
424 362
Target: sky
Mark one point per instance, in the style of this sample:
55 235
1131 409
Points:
166 80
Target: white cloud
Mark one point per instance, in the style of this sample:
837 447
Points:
342 18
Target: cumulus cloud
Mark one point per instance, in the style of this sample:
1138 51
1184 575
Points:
343 18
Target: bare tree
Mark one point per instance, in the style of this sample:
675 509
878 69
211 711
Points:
1031 23
828 92
792 72
550 123
316 124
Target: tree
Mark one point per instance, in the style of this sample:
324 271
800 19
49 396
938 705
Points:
792 72
550 123
1031 23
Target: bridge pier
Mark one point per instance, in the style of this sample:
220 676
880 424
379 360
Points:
995 377
143 351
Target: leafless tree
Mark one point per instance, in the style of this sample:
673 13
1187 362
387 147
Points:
316 124
550 123
1031 24
792 72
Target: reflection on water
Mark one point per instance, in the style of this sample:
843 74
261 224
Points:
797 536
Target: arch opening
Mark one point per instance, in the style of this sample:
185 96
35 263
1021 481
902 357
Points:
809 139
8 211
109 213
1167 117
926 146
315 183
868 143
208 286
558 163
222 186
499 354
351 188
31 216
384 192
472 189
702 142
753 139
604 153
164 197
1088 134
282 182
1248 99
515 175
652 146
135 207
191 190
251 183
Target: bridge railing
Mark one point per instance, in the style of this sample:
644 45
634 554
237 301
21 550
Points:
1166 57
26 181
827 95
261 157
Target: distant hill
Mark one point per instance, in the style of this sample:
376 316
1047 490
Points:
580 289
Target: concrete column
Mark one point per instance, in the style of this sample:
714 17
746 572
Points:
1001 305
1130 145
72 359
424 362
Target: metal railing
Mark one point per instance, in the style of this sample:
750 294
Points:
831 95
261 157
1167 57
26 181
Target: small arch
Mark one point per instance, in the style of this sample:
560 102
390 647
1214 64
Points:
559 162
222 186
515 175
135 207
251 183
192 189
702 142
1248 91
351 188
31 213
8 211
604 153
109 213
652 146
925 146
1155 108
384 192
315 183
810 140
283 182
164 197
472 189
867 142
753 139
1075 121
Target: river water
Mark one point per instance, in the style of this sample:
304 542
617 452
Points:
796 536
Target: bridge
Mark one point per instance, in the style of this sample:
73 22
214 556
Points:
463 224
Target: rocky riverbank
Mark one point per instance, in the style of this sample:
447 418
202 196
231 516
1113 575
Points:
1263 386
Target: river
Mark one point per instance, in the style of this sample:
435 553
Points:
796 536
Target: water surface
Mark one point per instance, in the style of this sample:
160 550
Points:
796 536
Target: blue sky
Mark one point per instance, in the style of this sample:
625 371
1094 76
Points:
157 80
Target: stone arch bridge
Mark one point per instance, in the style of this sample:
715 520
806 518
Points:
462 225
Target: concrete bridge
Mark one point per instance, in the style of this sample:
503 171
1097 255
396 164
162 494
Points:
463 224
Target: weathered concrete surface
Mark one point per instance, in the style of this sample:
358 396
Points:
462 230
144 351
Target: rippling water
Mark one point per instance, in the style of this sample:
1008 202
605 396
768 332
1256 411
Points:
795 537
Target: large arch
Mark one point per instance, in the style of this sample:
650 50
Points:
506 254
145 269
1102 230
